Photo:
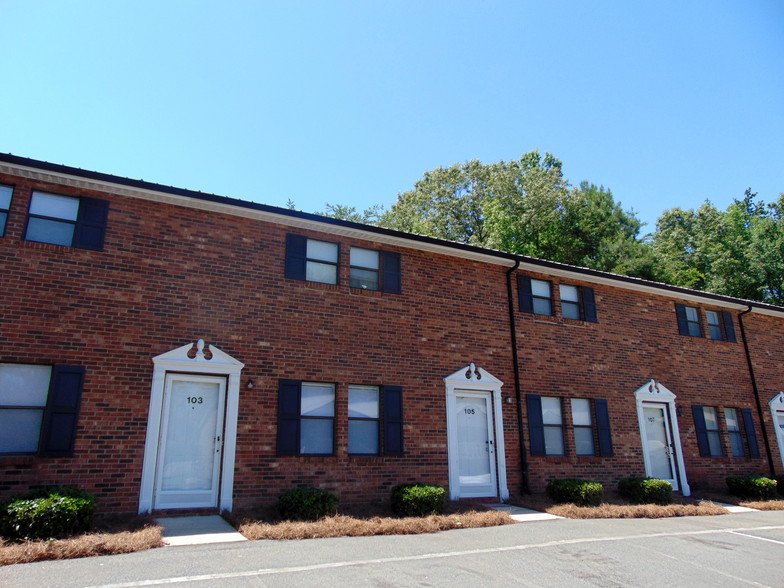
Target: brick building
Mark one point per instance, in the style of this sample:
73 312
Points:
168 349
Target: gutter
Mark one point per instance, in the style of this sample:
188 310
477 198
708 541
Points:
524 487
760 412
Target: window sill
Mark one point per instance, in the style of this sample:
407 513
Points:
364 292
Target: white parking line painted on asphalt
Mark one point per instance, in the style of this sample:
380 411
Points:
755 537
426 556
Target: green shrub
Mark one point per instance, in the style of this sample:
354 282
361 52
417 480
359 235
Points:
418 500
46 513
779 484
307 504
580 492
752 487
645 490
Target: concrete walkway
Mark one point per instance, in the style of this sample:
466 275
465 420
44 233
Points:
197 530
523 515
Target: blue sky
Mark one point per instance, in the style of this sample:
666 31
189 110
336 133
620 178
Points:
666 103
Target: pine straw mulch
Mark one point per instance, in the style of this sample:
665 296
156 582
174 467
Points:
776 504
110 536
365 521
614 507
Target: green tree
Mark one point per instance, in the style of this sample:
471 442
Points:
369 216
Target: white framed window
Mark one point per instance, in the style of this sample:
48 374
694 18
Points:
552 420
714 325
582 421
712 429
23 395
693 321
5 205
542 297
733 430
363 420
321 262
317 413
570 302
364 268
52 218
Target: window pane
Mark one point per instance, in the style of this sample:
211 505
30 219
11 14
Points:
315 436
362 402
367 279
711 421
49 231
24 385
551 410
713 317
691 314
736 442
715 332
731 416
553 441
540 288
62 207
542 306
570 310
321 272
322 250
569 293
363 437
714 441
364 258
581 411
20 430
318 400
583 441
694 329
5 197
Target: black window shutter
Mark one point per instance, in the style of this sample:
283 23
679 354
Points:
91 224
729 328
289 393
589 304
535 423
296 255
702 432
603 426
751 433
390 265
61 414
393 420
683 324
525 294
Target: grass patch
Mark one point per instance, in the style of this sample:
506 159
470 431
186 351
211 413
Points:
365 521
109 536
615 507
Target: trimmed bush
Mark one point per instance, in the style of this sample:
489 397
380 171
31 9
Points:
645 490
307 504
752 487
418 500
580 492
47 513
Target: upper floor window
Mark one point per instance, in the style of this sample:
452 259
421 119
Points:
364 268
570 302
720 324
319 261
39 406
66 220
535 296
5 206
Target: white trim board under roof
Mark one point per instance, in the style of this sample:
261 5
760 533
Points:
84 179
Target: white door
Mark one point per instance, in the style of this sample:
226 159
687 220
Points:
779 422
659 450
189 450
476 448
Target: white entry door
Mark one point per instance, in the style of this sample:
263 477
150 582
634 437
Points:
189 450
476 447
659 450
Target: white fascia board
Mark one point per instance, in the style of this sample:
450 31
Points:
292 221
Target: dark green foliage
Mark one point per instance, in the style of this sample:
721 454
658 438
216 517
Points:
46 513
307 504
645 490
752 487
779 484
580 492
418 500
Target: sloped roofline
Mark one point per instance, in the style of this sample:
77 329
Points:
77 177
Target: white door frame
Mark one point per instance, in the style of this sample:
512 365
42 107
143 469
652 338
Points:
654 393
188 360
476 382
777 408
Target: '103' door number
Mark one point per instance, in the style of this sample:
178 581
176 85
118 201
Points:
195 400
